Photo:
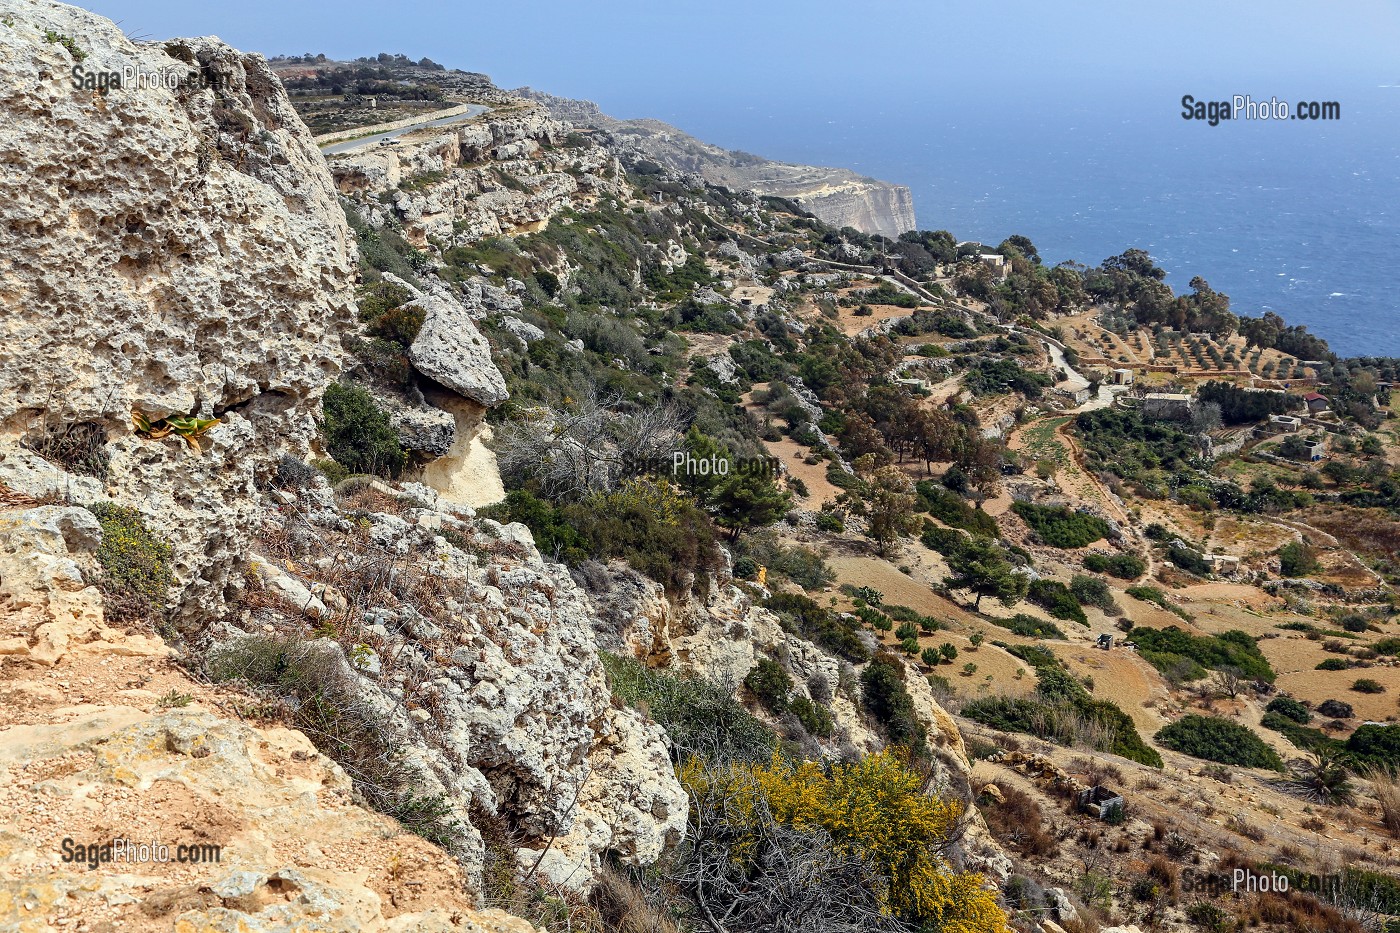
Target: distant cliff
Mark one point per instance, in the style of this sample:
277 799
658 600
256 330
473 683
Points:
837 196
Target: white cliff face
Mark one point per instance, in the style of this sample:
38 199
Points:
175 252
837 196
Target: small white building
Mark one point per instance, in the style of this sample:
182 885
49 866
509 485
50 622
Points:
1122 377
1073 393
996 262
1222 563
1284 424
1175 405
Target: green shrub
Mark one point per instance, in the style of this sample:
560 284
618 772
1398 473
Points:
770 685
1332 664
358 434
1375 744
1122 566
1386 646
814 717
1291 708
1296 560
1367 685
1063 711
1188 560
805 617
1029 626
1055 598
887 698
1164 647
953 510
874 618
136 576
1304 737
699 718
1060 527
803 566
659 532
925 623
1091 591
1211 738
1355 623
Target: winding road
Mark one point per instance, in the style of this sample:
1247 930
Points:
472 111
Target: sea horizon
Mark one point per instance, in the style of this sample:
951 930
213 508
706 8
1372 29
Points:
1085 182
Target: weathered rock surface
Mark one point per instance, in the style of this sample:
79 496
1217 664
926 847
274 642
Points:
449 350
480 661
466 198
101 738
139 291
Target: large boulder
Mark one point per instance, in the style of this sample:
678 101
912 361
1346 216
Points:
450 350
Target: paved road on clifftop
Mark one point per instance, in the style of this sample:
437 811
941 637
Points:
473 110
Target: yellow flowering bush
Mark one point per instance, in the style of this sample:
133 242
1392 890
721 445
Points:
875 809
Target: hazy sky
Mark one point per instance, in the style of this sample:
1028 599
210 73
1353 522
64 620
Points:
662 59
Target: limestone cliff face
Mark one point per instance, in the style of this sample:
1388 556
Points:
865 204
837 196
183 252
176 252
505 172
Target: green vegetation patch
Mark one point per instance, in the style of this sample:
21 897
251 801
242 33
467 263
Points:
1214 739
1062 710
1122 566
700 719
1029 626
136 575
954 511
1165 647
358 433
1061 527
1057 599
804 616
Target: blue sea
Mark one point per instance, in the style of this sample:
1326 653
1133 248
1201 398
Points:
1302 218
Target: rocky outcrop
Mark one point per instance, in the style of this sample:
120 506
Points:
479 662
506 172
837 196
137 289
245 829
721 637
449 350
